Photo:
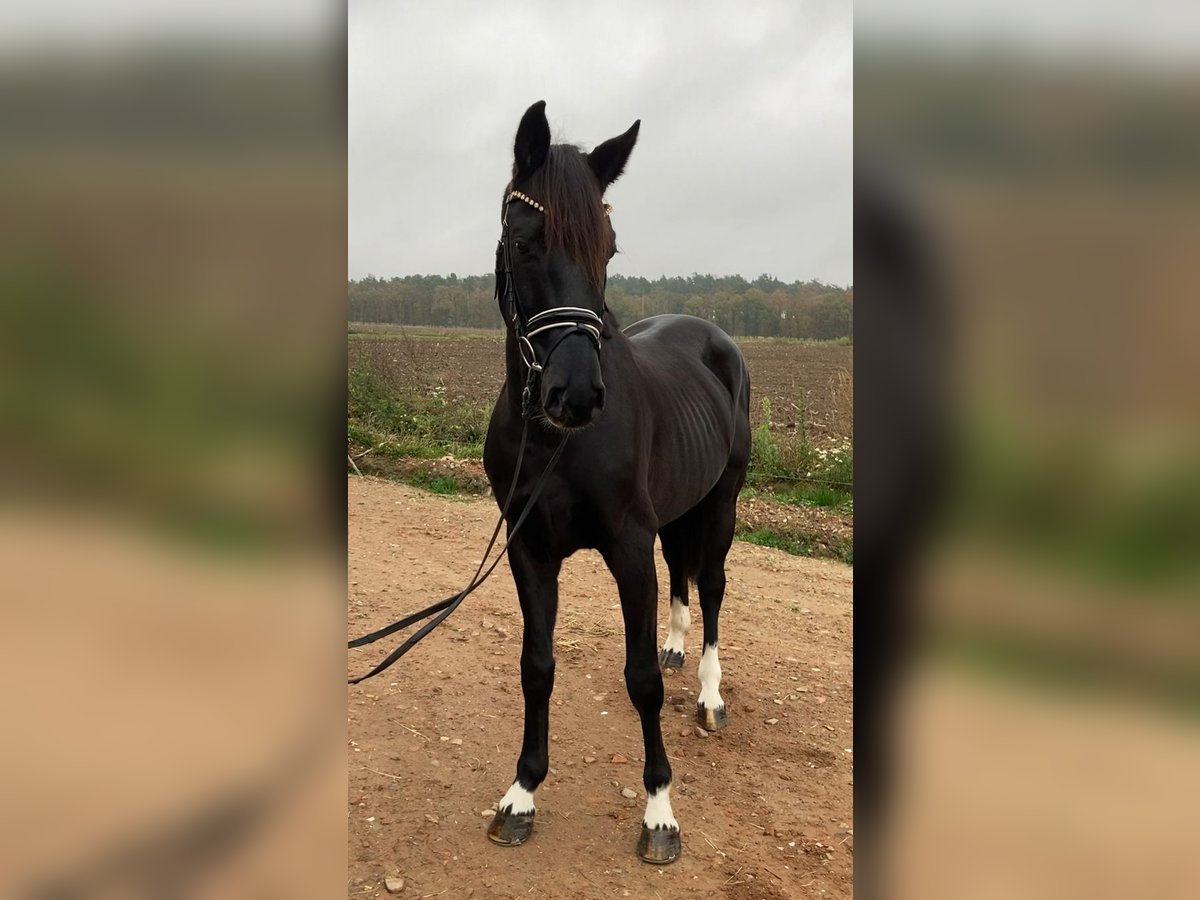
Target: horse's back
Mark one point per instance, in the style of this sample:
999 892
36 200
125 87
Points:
697 390
686 339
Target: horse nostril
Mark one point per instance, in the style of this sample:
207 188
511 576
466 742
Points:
599 398
554 401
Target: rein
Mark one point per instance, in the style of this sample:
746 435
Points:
444 607
572 318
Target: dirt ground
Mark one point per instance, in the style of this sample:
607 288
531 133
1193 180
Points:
764 806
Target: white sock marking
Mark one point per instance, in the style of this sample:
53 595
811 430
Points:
517 800
710 679
680 622
658 810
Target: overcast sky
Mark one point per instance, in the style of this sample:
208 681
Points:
743 164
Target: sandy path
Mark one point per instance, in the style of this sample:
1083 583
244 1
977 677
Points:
765 809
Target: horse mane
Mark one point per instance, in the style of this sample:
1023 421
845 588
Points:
566 185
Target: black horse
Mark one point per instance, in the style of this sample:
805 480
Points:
658 439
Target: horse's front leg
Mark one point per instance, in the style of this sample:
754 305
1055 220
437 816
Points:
631 561
537 589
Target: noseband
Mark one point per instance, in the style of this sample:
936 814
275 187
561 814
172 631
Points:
570 318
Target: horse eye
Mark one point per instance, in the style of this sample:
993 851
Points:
521 246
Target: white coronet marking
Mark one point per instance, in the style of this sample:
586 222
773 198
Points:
679 623
517 800
710 679
658 810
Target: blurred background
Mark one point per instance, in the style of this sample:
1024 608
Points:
1029 180
172 277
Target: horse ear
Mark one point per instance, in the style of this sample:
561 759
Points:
533 142
608 160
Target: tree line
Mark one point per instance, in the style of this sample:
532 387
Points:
765 306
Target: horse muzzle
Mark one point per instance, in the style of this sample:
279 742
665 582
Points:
573 405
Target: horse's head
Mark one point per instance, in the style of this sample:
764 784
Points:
552 261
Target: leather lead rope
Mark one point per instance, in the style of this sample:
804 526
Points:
444 608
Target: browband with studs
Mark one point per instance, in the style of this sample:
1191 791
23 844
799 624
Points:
517 195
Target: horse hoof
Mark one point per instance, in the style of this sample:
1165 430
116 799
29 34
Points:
711 719
658 846
670 659
509 829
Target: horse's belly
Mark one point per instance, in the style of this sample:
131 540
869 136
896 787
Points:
693 375
691 451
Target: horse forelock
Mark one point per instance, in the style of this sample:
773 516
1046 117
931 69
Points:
575 220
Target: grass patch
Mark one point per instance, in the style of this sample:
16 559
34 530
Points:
788 543
403 432
441 483
412 421
790 468
798 543
447 478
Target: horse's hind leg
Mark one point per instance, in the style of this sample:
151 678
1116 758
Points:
715 541
710 708
537 589
676 540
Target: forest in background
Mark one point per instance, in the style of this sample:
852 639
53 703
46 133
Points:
763 307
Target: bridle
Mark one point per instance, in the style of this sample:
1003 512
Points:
570 319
